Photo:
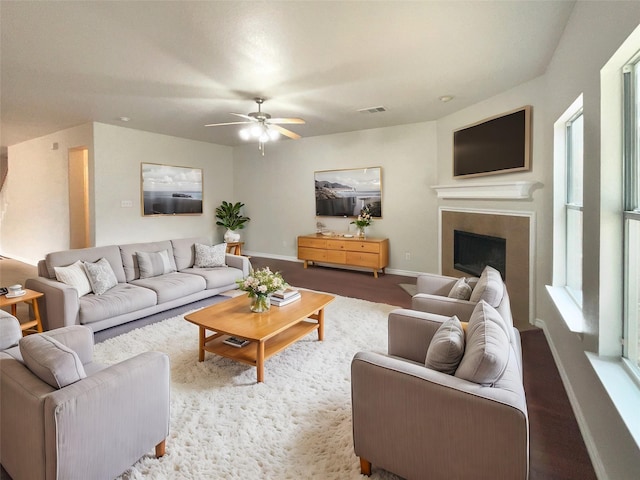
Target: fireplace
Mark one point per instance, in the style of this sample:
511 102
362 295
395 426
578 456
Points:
472 252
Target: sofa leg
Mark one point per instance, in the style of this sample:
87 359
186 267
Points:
160 448
365 467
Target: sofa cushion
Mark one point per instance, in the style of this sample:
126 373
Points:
461 290
122 299
210 255
487 346
10 332
184 251
129 258
51 361
152 264
172 285
446 347
67 257
489 288
75 276
217 277
100 275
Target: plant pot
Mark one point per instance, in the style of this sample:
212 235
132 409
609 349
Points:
231 236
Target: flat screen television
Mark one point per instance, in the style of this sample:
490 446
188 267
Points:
499 144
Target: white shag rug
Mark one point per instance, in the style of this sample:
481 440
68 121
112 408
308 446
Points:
224 425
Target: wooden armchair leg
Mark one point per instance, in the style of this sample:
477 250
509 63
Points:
365 467
160 448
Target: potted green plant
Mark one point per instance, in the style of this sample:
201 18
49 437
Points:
229 216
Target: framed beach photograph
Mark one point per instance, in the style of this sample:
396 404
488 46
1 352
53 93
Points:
168 190
343 193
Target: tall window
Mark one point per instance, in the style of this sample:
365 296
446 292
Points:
631 189
573 205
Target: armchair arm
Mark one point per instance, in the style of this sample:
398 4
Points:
419 423
435 284
443 306
410 333
60 305
78 338
240 262
107 420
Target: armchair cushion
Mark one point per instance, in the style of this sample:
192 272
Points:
10 333
488 347
51 361
489 288
446 347
461 290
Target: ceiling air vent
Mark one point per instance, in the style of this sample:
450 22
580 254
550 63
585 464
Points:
373 109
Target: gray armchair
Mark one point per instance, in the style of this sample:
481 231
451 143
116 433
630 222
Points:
95 427
421 423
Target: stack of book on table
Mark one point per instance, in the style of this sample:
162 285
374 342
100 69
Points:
284 297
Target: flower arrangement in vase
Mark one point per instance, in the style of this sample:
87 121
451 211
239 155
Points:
260 284
364 220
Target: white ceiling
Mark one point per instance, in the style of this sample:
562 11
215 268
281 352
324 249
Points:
174 66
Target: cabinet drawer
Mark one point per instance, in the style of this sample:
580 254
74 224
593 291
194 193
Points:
336 245
305 253
362 259
335 256
312 242
363 247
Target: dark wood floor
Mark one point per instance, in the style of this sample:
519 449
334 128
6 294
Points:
556 448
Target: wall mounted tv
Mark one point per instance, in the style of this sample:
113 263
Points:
499 144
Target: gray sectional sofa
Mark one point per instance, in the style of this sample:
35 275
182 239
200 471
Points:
132 297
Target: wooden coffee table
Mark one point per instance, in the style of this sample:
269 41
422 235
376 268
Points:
268 333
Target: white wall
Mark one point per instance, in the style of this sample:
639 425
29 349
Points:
34 206
279 194
118 154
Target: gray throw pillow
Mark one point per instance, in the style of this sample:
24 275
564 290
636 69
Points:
461 290
51 361
75 276
210 255
446 347
489 288
101 276
153 264
487 346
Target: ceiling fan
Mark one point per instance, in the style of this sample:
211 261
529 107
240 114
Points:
262 127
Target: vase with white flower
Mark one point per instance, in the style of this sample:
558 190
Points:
364 220
260 284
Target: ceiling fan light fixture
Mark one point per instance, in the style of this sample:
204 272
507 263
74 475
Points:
245 134
256 131
273 134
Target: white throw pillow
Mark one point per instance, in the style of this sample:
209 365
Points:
75 276
461 290
51 361
153 264
489 288
487 346
210 255
101 276
446 347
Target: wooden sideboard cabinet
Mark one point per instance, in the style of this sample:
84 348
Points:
357 252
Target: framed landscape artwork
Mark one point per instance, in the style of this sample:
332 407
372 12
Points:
168 190
343 193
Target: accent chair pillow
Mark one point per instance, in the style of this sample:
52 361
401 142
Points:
461 290
75 276
51 361
487 346
447 347
153 264
208 256
101 276
489 288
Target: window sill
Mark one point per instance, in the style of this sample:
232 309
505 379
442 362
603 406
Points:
621 387
567 308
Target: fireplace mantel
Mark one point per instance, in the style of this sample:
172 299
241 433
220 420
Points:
505 191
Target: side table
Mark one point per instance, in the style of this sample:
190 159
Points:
31 297
235 247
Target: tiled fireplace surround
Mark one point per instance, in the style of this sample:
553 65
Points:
515 227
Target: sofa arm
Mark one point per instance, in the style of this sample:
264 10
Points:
435 284
109 420
240 262
60 305
410 333
419 423
443 306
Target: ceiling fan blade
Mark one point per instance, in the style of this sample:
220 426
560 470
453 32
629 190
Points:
227 123
244 116
285 132
286 120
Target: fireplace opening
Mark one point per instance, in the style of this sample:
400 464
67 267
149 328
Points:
472 252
